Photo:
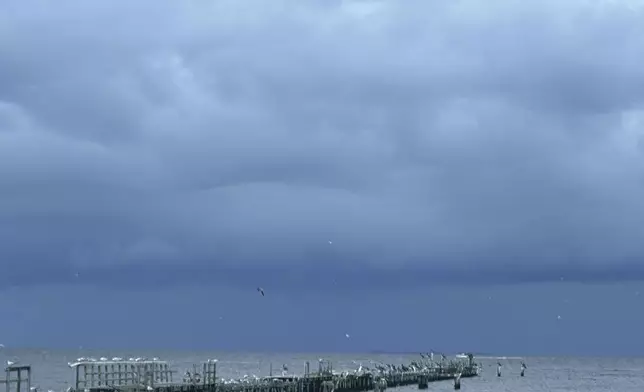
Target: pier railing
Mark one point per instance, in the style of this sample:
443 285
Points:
101 374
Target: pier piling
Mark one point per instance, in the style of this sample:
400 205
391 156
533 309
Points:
457 382
423 383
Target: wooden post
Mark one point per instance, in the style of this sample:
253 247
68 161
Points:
422 382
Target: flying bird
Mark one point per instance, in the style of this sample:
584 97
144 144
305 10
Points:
261 291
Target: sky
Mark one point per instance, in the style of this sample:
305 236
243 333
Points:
457 175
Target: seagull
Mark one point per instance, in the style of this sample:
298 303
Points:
347 335
261 290
11 363
330 242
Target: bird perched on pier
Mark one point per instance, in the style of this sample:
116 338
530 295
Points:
261 291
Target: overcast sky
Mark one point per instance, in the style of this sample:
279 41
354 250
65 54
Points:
322 150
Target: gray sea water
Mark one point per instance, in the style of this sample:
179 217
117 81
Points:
50 369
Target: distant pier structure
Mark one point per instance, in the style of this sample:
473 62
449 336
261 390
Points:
155 375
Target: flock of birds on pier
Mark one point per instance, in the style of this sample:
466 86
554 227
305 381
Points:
376 369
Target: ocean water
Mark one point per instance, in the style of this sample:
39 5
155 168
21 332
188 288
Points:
50 370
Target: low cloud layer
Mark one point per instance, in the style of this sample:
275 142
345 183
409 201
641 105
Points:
441 136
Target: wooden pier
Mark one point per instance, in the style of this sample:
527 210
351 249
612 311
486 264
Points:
155 375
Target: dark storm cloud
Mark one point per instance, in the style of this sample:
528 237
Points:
416 136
